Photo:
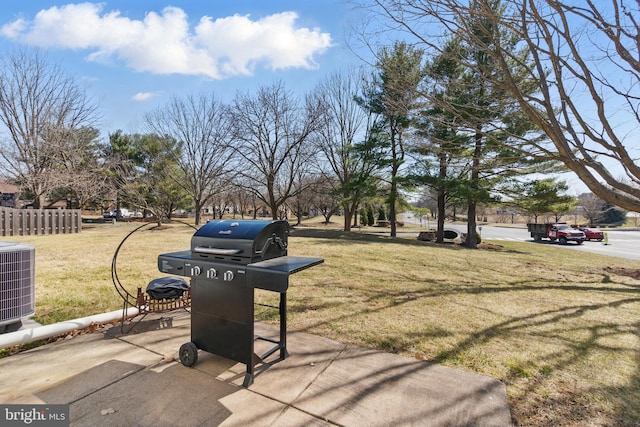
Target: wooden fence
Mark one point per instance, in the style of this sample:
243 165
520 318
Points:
27 222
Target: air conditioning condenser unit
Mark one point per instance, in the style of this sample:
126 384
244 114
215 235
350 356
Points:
17 282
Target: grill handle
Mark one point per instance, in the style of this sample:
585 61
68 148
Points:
216 251
273 240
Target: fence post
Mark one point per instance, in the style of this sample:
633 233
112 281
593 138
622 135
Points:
4 226
30 220
18 219
51 224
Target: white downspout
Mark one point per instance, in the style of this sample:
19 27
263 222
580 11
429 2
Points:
24 336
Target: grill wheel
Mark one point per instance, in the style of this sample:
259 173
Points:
188 354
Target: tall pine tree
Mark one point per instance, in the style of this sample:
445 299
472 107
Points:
393 98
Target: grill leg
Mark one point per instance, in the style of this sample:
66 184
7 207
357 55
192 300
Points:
248 379
251 368
283 326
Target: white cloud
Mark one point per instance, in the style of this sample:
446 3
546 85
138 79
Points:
240 43
164 43
144 96
13 29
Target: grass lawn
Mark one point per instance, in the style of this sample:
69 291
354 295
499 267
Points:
560 328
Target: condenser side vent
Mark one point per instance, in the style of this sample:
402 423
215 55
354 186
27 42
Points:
17 282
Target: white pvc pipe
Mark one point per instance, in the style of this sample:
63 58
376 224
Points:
24 336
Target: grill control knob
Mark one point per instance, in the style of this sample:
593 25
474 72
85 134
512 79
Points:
228 275
195 270
212 273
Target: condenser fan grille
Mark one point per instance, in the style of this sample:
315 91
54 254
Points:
17 282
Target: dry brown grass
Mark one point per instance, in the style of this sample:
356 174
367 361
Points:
559 327
73 271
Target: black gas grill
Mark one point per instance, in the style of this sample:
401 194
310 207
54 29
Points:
227 261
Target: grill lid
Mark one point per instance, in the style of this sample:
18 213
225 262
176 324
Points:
248 239
230 229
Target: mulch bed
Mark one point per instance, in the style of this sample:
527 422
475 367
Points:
620 271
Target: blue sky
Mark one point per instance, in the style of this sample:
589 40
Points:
133 56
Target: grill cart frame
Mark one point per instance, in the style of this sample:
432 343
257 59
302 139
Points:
227 262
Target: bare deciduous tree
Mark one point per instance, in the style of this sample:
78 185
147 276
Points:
272 142
325 200
244 200
40 107
592 207
305 199
586 72
80 174
203 129
344 125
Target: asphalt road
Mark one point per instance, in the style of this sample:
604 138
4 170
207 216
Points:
621 243
624 244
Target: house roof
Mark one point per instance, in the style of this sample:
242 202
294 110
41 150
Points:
5 187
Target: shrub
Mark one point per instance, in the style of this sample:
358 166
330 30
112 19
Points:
370 219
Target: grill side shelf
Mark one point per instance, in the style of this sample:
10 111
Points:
173 263
273 274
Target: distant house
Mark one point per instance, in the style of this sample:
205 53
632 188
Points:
9 194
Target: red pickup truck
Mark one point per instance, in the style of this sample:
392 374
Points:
559 231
